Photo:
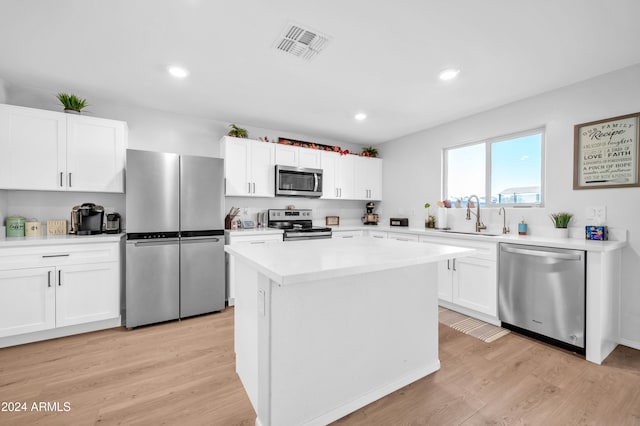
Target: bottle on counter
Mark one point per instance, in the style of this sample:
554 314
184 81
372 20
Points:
522 228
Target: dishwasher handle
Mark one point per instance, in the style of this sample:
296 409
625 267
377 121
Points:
542 253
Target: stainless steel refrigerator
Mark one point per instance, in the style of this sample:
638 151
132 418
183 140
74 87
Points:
175 237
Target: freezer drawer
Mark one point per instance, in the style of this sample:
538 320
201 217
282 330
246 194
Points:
152 281
202 275
542 290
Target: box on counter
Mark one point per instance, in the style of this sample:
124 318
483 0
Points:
593 232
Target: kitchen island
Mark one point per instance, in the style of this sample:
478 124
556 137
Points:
319 331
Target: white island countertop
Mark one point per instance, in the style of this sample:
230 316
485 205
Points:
302 261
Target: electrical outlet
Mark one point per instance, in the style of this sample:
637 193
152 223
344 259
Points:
596 215
600 214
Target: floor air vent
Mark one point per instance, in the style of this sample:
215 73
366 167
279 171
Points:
301 42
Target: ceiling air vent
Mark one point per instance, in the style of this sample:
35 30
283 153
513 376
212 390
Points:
301 42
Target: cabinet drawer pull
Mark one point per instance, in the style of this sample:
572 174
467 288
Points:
257 242
59 277
44 256
49 279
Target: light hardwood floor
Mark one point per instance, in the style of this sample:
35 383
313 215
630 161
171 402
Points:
182 373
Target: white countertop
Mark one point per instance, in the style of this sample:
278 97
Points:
46 240
533 240
301 261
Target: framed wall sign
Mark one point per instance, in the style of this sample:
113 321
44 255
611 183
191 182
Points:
605 153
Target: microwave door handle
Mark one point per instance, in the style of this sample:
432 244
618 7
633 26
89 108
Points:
315 178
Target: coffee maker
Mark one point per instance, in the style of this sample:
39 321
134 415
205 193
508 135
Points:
87 219
370 218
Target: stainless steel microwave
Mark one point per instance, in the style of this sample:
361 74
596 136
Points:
298 182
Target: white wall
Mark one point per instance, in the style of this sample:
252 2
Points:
163 131
412 169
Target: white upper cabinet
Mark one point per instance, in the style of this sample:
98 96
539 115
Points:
295 156
337 176
368 178
95 154
53 151
350 177
287 155
248 167
33 144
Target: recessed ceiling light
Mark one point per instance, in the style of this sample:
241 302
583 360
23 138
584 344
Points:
178 72
449 74
360 116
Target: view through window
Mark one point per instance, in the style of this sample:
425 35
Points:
500 171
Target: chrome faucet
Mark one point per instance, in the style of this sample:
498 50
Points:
479 225
503 212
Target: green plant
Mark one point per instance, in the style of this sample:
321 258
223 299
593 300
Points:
71 102
369 151
237 132
561 220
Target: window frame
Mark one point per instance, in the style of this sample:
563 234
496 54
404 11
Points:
488 144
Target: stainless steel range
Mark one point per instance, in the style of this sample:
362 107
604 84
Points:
297 225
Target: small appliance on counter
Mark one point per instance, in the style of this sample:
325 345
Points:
399 221
370 218
87 219
114 223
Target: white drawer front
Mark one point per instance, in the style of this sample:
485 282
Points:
65 254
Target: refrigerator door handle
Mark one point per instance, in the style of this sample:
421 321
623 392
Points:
162 242
200 240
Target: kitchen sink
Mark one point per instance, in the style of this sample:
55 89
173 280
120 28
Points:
486 234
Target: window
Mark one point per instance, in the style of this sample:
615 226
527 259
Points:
502 171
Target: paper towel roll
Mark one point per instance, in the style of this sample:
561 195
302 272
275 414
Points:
441 221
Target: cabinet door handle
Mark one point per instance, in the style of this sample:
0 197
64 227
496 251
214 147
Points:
59 277
254 187
49 279
69 180
449 264
454 264
61 183
248 187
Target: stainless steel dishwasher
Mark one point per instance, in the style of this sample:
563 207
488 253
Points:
541 293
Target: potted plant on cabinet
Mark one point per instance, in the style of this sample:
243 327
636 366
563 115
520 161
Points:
237 132
561 223
71 102
369 151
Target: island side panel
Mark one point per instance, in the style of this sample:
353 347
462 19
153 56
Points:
329 347
246 327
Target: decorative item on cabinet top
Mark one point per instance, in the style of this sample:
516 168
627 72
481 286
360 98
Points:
71 102
237 132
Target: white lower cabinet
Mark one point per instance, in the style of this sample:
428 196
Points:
346 234
86 293
373 233
50 288
27 301
238 238
400 236
469 284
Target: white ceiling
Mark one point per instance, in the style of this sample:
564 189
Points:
383 59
